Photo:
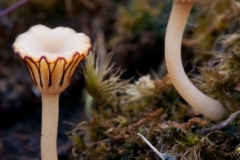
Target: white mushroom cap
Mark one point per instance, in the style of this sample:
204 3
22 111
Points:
51 55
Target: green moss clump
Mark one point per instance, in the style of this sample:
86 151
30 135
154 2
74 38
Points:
121 109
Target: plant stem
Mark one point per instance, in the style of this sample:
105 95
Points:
160 155
50 110
204 104
13 7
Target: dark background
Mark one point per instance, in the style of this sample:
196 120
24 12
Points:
135 31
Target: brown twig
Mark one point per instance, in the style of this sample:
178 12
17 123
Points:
147 119
185 126
193 121
13 7
223 124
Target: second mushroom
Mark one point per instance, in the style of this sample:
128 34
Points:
177 21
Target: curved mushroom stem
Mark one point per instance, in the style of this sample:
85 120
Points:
173 40
50 109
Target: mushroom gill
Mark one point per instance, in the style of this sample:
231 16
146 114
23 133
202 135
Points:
51 55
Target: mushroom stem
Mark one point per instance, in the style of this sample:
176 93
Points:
50 110
173 40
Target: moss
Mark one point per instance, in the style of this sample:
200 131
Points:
119 109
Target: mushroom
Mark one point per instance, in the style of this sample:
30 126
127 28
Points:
51 56
204 104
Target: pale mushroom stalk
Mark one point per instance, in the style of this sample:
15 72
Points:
51 56
49 126
173 40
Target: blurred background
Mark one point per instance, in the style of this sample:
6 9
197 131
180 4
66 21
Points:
133 29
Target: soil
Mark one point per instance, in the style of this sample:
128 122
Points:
20 128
